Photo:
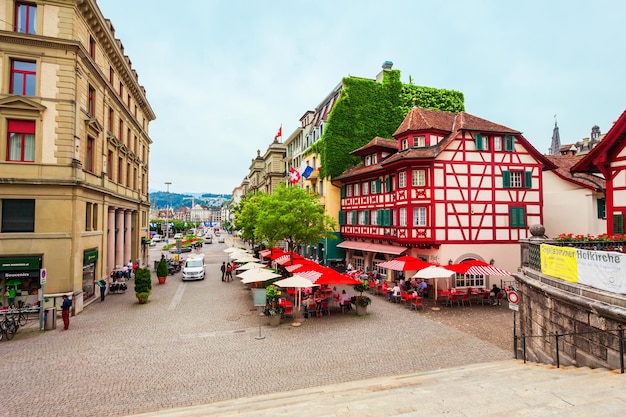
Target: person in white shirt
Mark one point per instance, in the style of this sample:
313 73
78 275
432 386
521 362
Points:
350 267
344 300
395 292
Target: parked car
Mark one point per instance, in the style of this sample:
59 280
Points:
220 239
208 239
157 238
178 236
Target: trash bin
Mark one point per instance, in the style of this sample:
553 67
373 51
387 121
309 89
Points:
50 318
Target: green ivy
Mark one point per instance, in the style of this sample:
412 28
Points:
367 109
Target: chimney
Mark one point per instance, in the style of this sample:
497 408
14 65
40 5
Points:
387 65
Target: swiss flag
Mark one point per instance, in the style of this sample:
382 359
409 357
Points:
280 133
294 176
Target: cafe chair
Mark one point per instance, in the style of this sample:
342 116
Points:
345 306
324 309
465 298
288 312
417 303
452 299
484 298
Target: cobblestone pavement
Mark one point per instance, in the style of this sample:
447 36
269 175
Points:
196 343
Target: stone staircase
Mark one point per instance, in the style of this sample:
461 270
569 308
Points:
504 388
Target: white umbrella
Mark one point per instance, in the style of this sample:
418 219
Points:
296 281
434 272
244 257
250 265
257 275
233 249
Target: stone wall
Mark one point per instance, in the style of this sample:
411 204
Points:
589 321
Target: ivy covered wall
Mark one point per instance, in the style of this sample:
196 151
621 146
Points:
367 109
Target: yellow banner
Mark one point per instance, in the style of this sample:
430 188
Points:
559 262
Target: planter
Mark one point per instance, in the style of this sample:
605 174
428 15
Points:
361 310
273 321
162 280
142 297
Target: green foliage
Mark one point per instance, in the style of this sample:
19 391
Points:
272 293
246 213
367 109
143 281
361 300
294 215
162 269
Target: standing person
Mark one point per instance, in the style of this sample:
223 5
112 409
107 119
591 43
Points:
229 272
493 295
223 269
124 271
103 287
65 312
129 265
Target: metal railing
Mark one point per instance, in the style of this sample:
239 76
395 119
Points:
531 249
619 333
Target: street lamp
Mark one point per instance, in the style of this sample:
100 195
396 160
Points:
167 212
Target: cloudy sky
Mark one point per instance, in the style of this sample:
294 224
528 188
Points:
222 76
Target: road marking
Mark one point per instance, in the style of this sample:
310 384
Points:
177 297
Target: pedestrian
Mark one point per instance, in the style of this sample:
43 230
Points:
124 272
65 311
493 295
223 269
129 265
229 272
103 287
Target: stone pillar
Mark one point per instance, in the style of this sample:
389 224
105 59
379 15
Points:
128 227
119 238
110 241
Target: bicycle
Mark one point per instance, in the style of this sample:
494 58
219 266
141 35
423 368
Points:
8 327
22 317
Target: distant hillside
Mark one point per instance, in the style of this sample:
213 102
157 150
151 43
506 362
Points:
160 199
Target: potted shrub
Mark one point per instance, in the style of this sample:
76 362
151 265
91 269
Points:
272 310
143 284
162 270
361 301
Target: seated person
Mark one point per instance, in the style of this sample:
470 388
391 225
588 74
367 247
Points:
344 300
422 288
310 305
395 293
493 295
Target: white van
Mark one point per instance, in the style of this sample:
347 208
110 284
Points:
194 267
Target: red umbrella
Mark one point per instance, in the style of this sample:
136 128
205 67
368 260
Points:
274 251
464 266
405 263
287 257
302 265
336 279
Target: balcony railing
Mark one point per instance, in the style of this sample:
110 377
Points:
531 249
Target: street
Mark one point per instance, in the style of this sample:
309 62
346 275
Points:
195 343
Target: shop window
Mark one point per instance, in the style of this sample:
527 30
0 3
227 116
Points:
18 216
25 18
23 78
21 141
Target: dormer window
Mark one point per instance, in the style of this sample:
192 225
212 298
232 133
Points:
404 144
368 160
374 159
419 141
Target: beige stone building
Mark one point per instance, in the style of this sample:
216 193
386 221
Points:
74 165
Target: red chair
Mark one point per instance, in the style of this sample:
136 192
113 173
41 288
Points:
417 303
324 308
452 298
484 297
465 298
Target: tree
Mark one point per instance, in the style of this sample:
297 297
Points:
294 215
246 215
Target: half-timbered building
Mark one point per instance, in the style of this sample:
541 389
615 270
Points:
449 187
608 159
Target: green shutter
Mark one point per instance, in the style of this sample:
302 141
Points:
506 179
343 191
517 217
366 217
387 217
354 217
509 143
478 141
601 204
528 179
618 223
378 186
342 217
388 184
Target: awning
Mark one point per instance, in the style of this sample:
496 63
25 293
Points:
372 247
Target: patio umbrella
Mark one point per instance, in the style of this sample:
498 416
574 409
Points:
434 272
487 270
295 281
405 263
249 265
302 265
257 275
244 257
271 251
287 258
233 249
336 279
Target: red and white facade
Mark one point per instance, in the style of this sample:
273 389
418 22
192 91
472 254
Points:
608 159
450 187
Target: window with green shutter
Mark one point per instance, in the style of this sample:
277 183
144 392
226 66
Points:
601 204
509 143
387 217
528 179
343 191
506 179
342 217
366 217
478 141
388 184
354 221
378 186
517 217
618 223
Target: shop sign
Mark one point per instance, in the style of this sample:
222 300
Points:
19 274
24 263
90 256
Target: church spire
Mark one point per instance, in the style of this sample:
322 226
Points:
555 147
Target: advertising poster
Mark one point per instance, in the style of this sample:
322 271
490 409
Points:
602 269
559 262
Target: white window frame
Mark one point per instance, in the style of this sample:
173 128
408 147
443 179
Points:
368 160
419 216
418 178
419 141
349 190
365 188
402 216
357 190
404 144
402 179
497 143
374 159
361 218
517 179
374 217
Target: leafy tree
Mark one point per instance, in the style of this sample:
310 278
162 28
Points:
294 215
246 213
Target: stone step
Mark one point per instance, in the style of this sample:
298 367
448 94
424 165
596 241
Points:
486 389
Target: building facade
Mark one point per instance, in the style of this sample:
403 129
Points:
449 187
75 160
